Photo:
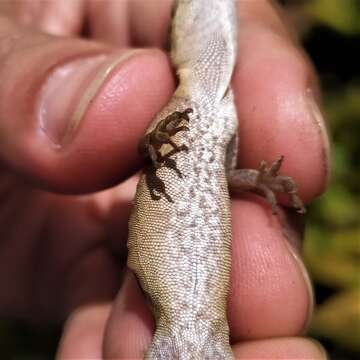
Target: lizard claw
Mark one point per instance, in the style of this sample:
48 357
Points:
184 148
269 182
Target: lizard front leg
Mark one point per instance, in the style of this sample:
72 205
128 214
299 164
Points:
150 147
151 144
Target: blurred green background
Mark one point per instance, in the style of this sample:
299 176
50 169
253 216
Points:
330 30
331 34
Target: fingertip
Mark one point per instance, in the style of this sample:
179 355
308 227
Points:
104 148
131 325
83 333
266 276
277 102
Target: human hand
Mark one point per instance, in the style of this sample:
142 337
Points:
72 112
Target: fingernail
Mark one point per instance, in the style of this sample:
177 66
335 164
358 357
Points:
320 123
69 91
293 231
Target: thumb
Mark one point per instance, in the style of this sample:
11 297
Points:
72 111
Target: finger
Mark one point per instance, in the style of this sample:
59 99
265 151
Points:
271 294
277 101
91 282
83 332
130 22
109 21
112 208
73 111
281 348
130 327
56 17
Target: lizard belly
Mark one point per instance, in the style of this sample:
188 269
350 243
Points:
183 262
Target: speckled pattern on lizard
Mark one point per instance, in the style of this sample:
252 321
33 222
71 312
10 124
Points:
180 226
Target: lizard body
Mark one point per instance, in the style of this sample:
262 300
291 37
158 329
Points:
180 250
180 226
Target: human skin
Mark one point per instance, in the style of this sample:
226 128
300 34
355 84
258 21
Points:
64 224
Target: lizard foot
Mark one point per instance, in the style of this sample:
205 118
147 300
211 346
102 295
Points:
151 144
162 134
267 182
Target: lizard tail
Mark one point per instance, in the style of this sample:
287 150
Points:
188 347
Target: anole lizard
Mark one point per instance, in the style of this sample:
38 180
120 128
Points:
180 226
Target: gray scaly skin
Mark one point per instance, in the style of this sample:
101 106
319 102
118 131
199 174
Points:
180 226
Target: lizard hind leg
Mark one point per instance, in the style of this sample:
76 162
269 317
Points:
267 182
